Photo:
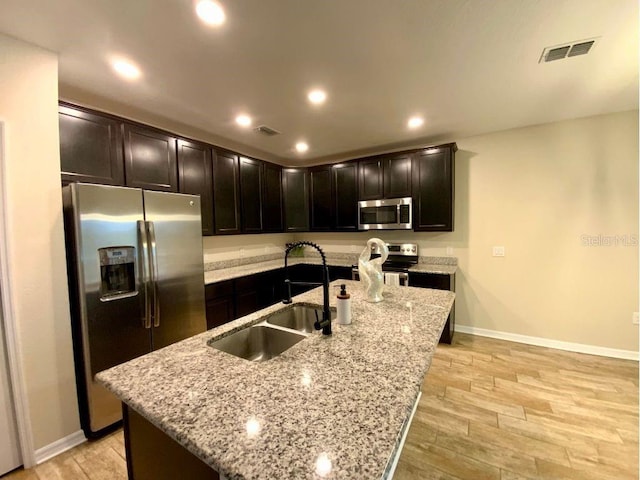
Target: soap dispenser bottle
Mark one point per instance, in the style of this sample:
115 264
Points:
344 306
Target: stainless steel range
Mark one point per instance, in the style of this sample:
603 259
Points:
402 256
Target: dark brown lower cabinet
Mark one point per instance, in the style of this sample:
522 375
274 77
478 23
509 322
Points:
339 273
220 303
153 455
438 281
242 296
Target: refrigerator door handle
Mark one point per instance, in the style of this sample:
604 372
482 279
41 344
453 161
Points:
153 261
143 271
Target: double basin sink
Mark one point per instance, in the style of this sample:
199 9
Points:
269 338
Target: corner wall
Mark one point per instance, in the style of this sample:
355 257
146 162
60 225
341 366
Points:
35 237
558 197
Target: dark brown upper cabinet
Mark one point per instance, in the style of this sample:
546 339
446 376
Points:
397 176
194 177
370 179
433 189
272 198
90 147
251 190
295 196
226 193
150 159
387 176
345 188
321 198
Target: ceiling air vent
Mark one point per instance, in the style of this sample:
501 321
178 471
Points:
573 49
264 130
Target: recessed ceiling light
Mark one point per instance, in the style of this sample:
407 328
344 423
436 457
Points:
415 122
243 120
317 96
210 12
126 69
302 147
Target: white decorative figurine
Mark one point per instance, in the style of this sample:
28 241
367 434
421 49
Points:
370 270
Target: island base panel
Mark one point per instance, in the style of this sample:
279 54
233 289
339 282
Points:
153 455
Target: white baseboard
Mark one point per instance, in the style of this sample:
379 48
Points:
56 448
547 342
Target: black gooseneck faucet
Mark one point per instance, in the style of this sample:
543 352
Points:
325 322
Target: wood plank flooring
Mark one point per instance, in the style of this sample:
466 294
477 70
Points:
499 410
490 409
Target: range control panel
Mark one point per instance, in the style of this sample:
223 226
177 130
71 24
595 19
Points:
405 249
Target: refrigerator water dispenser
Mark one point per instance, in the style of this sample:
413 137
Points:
117 273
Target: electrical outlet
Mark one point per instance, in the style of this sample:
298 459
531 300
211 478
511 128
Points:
449 250
635 319
498 251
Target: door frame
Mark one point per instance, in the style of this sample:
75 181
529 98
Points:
16 374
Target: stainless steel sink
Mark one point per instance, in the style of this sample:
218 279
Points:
257 343
298 317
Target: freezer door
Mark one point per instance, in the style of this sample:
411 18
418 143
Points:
108 311
175 236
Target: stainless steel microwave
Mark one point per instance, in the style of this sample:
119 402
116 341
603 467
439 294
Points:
387 214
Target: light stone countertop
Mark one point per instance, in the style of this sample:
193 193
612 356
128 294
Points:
346 397
222 274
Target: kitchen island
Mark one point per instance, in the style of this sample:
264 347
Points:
328 407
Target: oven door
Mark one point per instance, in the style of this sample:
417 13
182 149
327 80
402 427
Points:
402 276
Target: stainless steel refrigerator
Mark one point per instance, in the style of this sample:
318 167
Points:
136 278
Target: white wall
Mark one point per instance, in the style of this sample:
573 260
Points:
35 237
537 191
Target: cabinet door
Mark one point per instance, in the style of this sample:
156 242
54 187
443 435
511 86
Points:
219 311
397 176
226 195
345 184
438 281
90 147
150 159
295 194
340 273
219 303
194 177
433 190
321 198
251 195
370 179
272 198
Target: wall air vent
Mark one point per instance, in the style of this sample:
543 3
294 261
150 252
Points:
573 49
264 130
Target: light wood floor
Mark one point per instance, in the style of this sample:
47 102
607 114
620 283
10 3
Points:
490 409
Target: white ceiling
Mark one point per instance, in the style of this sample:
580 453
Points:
467 66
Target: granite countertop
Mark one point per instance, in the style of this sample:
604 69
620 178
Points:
221 274
340 401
